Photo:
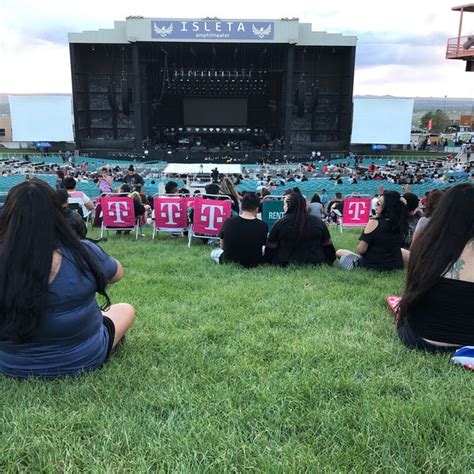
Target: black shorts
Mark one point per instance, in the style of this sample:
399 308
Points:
412 341
110 326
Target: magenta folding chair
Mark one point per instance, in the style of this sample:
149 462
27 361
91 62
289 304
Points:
210 212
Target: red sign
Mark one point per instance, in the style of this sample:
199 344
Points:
118 212
209 215
356 211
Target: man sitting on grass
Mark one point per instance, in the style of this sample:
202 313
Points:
243 237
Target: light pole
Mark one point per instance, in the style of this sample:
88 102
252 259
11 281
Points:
444 108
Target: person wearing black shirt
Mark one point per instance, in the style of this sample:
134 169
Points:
437 310
133 179
299 237
380 243
73 218
243 237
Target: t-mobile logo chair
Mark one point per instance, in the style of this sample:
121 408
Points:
214 217
357 210
116 210
167 212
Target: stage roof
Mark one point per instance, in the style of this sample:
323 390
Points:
196 168
212 30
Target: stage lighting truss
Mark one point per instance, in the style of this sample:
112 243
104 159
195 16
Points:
187 131
217 82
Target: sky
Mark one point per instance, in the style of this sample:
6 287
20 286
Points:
400 50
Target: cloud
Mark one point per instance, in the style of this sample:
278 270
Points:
400 47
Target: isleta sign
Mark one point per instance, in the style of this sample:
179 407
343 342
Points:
212 29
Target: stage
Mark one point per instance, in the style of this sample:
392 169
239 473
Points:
210 87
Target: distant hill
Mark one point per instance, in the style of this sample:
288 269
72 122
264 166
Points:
5 108
454 106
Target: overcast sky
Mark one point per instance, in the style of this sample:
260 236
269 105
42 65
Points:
400 50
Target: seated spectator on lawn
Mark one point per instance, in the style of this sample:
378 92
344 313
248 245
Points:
73 218
436 311
380 243
431 203
105 182
335 208
414 215
171 187
78 197
315 206
212 189
242 237
53 326
228 189
298 237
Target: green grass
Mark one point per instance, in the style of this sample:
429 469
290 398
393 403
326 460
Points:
228 370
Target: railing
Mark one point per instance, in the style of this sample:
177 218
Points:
461 47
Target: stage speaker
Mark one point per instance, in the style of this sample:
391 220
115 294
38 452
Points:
111 96
469 66
126 96
301 95
314 99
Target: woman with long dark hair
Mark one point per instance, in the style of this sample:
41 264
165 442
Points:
315 206
50 322
437 308
380 244
299 237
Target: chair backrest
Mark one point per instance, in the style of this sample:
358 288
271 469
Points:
118 212
356 211
210 214
75 207
272 209
170 213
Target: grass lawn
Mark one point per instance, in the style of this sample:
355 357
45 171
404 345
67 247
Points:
268 370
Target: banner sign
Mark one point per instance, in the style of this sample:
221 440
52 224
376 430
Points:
272 211
213 29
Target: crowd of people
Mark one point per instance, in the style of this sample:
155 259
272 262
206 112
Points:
54 326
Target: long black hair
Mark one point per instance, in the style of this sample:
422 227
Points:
395 211
440 244
298 210
32 226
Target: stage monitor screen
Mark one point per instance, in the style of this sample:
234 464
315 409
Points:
386 121
215 112
41 118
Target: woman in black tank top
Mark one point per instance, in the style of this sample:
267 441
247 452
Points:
437 308
380 243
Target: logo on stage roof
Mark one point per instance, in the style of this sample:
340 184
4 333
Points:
163 31
212 29
260 32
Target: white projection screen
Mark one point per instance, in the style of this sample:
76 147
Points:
382 121
41 118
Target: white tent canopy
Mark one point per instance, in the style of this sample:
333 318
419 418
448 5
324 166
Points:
204 168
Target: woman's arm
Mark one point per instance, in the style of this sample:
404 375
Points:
118 273
370 227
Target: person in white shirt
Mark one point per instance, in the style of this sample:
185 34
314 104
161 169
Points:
78 197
